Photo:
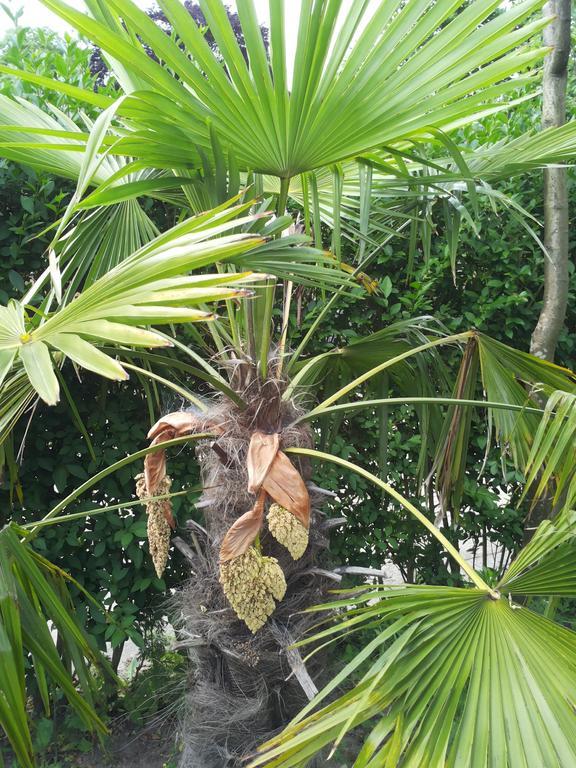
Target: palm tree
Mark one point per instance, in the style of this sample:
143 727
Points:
459 675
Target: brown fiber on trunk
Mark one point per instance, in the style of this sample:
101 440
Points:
243 686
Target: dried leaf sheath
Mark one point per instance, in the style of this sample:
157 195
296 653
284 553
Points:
286 486
261 454
271 469
172 425
242 533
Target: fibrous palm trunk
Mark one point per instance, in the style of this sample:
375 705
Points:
244 686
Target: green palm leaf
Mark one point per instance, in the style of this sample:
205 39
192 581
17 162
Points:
417 66
553 452
149 287
547 565
33 593
452 678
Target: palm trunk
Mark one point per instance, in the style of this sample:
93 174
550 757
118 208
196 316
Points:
556 277
245 687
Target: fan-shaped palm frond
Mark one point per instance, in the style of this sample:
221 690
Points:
386 191
151 287
452 677
418 66
148 288
181 105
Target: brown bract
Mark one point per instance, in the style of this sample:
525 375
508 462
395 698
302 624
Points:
261 453
169 427
270 473
243 532
285 485
271 469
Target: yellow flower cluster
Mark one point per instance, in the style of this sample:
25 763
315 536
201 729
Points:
158 526
252 582
287 530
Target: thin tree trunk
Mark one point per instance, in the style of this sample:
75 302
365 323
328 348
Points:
556 222
553 313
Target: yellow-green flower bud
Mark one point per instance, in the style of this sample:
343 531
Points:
158 526
252 583
287 530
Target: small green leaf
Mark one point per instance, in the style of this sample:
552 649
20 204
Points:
99 549
16 280
27 203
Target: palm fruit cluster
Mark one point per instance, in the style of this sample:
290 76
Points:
158 526
252 583
287 530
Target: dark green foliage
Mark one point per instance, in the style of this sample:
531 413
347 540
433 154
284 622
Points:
498 290
49 459
107 553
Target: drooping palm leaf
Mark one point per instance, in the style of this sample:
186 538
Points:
517 381
406 185
33 595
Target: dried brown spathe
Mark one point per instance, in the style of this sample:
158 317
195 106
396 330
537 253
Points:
172 425
287 530
286 487
252 583
269 468
159 512
270 473
261 454
242 533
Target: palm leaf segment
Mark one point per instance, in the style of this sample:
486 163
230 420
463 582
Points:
150 287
